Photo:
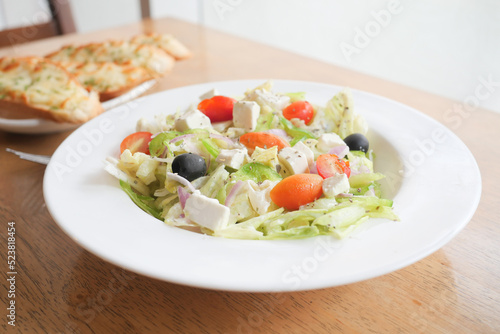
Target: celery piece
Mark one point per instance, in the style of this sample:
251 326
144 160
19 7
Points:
361 180
159 144
211 147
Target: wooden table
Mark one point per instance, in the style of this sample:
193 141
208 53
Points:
62 288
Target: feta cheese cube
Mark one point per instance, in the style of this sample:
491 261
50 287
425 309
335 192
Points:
208 95
267 98
193 119
327 141
293 160
245 115
222 126
206 212
232 158
304 149
337 184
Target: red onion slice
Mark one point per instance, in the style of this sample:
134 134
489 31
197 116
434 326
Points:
360 170
280 133
176 139
313 169
156 134
181 180
221 137
234 191
183 196
339 151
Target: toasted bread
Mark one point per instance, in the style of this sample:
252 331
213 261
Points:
109 79
33 87
113 68
154 60
166 42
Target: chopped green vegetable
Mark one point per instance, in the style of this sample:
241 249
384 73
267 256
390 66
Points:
159 144
256 172
295 132
210 146
141 200
265 122
297 96
361 180
216 181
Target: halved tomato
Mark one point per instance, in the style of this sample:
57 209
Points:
300 109
263 140
296 190
329 165
218 108
137 142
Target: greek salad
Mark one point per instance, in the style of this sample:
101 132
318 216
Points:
264 165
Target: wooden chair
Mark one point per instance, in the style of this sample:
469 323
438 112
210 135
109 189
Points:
145 9
61 23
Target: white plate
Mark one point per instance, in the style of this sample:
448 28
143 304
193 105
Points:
435 199
44 126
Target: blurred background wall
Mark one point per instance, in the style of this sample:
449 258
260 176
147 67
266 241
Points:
445 47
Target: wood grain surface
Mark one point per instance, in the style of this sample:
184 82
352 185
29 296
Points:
62 288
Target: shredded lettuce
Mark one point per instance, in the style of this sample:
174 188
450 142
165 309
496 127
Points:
296 133
340 113
268 157
296 96
143 202
266 121
241 209
215 182
300 232
249 228
284 220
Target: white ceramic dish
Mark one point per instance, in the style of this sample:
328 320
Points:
433 179
44 126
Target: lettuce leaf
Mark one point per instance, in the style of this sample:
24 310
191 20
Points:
296 96
141 201
300 232
296 133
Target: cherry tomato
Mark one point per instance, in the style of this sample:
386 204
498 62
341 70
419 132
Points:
263 140
299 109
218 108
296 190
136 142
329 165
